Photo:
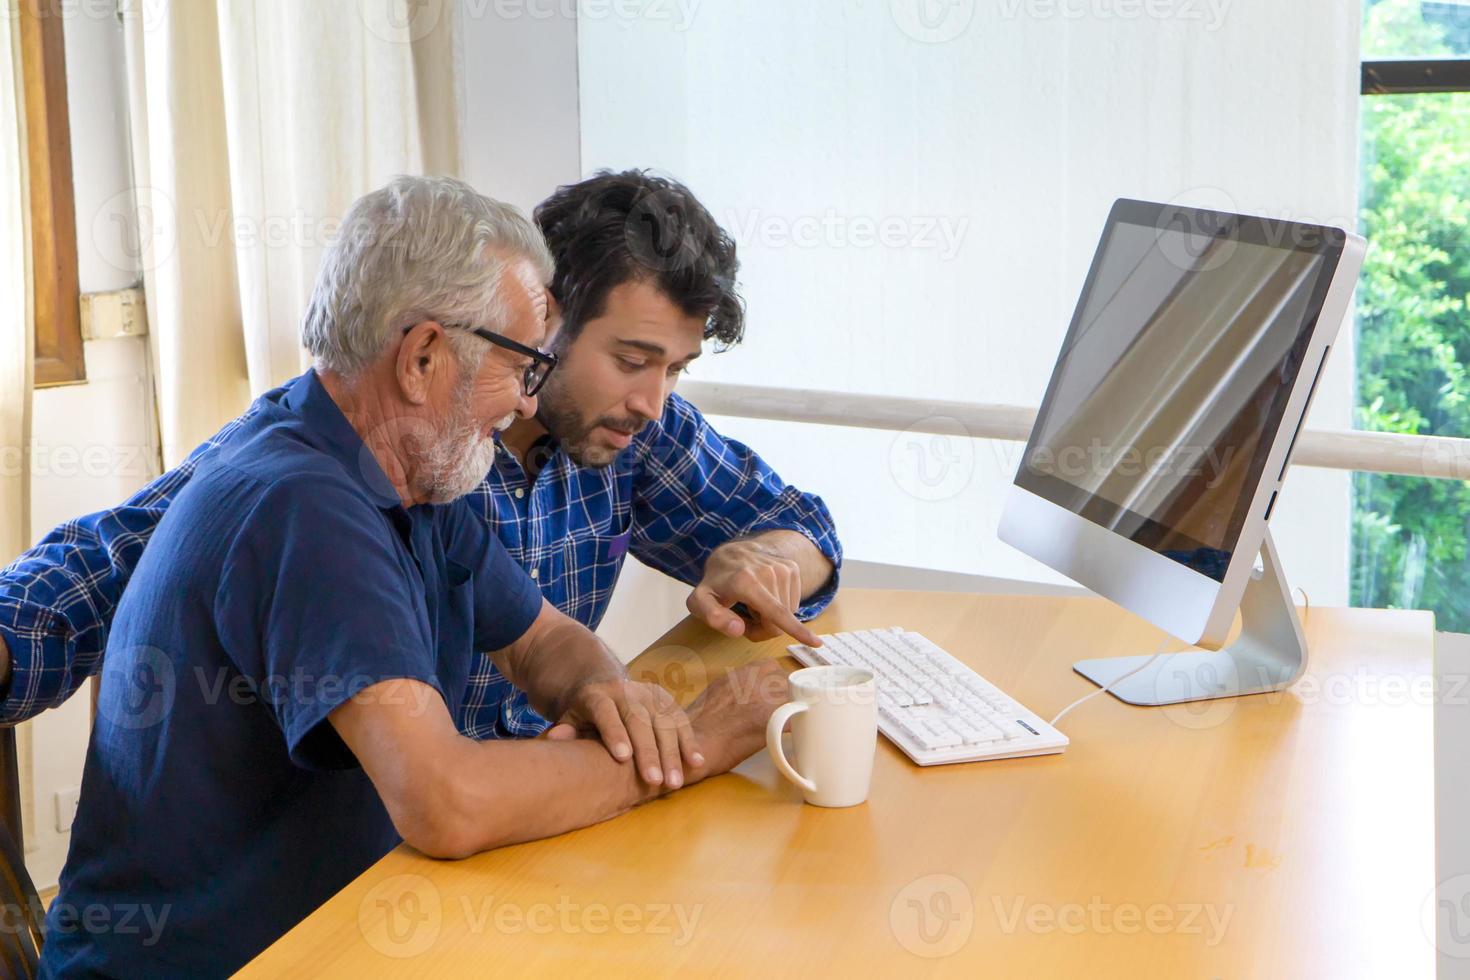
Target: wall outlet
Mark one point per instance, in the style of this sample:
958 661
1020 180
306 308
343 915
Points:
66 808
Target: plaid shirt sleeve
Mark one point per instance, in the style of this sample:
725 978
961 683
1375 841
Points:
694 490
57 599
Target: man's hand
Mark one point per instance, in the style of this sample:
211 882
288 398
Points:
752 572
623 712
729 719
730 716
571 676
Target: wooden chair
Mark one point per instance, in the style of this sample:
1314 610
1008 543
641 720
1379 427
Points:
10 819
20 907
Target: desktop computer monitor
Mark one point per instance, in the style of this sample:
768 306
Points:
1160 448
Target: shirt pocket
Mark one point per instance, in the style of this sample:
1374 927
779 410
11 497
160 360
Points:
456 576
586 568
596 546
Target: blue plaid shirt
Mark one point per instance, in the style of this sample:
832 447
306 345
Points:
673 496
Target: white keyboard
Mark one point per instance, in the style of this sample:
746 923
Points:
930 705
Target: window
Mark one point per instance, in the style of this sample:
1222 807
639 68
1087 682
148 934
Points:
1409 533
58 326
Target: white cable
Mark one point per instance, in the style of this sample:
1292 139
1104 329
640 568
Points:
1106 687
1306 603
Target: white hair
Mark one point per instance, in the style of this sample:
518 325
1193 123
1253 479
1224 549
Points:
421 248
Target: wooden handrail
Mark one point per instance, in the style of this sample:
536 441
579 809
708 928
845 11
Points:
1436 457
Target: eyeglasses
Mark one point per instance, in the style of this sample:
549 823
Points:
536 372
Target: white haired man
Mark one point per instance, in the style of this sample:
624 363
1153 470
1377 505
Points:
309 609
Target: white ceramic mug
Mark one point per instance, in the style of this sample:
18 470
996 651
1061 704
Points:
834 727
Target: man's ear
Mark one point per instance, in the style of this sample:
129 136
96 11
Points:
423 353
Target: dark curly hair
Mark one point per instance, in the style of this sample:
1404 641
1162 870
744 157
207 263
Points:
614 228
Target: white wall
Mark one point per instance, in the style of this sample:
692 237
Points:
518 66
916 205
92 444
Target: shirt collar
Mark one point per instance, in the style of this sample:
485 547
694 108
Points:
309 399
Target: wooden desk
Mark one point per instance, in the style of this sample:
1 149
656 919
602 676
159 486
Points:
1289 835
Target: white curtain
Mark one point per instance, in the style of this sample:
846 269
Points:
255 124
15 302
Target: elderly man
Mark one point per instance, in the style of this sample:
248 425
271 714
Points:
613 463
288 659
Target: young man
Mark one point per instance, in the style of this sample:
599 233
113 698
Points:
612 463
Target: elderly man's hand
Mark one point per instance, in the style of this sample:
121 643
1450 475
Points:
623 712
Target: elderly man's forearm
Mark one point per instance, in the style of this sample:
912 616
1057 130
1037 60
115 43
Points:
450 796
555 657
497 793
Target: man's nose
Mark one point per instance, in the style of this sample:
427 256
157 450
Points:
647 400
526 405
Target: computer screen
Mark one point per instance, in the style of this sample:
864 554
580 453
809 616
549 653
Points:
1175 373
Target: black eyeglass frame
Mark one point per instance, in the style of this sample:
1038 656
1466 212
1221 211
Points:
536 373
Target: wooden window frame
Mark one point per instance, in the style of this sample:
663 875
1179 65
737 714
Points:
58 322
1415 76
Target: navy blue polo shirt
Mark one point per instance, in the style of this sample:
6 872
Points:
218 805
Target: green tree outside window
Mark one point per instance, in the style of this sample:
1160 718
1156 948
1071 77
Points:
1409 533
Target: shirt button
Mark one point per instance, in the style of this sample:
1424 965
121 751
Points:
520 493
535 573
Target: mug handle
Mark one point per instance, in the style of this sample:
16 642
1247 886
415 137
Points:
773 742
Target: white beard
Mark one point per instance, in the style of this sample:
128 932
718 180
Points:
459 459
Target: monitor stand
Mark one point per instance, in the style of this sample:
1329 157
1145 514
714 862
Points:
1269 654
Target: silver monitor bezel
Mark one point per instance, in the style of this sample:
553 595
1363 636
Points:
1172 596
